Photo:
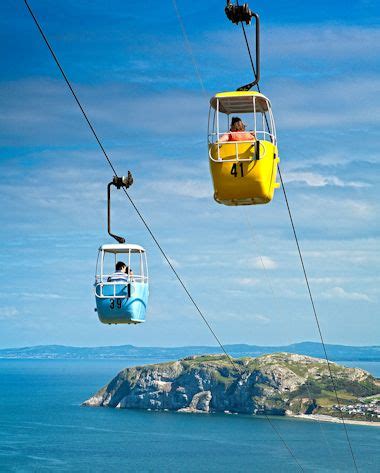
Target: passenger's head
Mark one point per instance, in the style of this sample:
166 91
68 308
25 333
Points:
120 266
237 124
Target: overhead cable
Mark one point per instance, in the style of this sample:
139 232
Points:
317 322
138 211
196 68
305 274
162 251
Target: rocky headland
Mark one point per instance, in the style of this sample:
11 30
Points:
276 384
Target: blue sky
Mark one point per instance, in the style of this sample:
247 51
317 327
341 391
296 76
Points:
133 74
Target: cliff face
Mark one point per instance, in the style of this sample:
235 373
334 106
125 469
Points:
275 384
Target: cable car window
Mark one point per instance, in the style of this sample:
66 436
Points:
258 121
212 132
136 264
264 126
109 264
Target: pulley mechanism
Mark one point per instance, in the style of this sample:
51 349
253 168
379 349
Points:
238 13
118 182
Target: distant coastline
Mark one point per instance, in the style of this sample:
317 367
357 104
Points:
336 420
128 352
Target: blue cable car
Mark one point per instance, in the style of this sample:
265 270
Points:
121 277
124 300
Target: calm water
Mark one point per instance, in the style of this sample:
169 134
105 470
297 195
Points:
43 428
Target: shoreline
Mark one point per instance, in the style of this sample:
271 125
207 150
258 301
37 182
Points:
336 420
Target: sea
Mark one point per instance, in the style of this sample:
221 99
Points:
44 428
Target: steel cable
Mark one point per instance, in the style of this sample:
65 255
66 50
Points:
167 259
317 321
305 273
189 48
277 304
155 239
196 68
237 367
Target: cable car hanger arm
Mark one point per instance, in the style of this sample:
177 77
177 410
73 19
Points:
118 182
242 13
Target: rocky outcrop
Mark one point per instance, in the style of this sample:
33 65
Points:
282 383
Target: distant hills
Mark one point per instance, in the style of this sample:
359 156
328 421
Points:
121 352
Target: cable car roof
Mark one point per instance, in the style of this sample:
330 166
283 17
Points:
121 248
240 102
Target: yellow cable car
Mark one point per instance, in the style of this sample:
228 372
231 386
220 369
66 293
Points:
243 157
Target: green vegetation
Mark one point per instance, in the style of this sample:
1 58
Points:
217 360
311 389
219 378
357 389
275 384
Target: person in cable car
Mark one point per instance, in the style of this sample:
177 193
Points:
120 274
237 132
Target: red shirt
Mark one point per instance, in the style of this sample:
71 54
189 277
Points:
240 136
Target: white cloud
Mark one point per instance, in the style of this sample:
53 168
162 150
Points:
176 264
8 312
249 281
322 212
340 293
337 159
328 280
264 262
261 318
317 180
327 42
291 47
190 188
31 106
326 104
41 295
349 253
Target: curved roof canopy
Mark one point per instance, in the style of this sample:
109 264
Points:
240 102
122 248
